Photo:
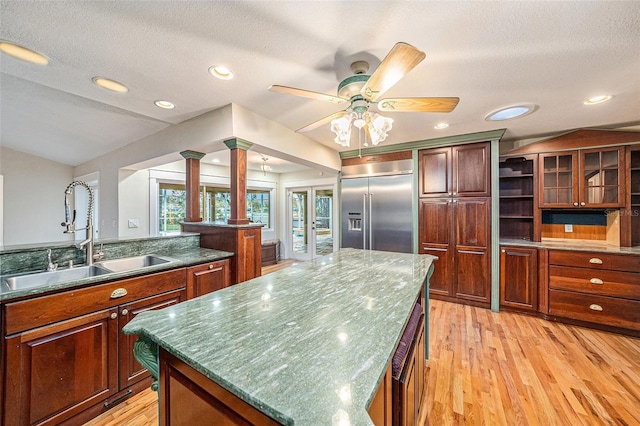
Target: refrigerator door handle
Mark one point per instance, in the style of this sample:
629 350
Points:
370 221
364 221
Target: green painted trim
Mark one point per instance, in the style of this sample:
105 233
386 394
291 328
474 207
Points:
426 311
188 154
238 143
416 202
428 143
146 352
495 226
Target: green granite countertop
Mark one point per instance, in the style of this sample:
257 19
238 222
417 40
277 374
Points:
571 245
307 345
187 257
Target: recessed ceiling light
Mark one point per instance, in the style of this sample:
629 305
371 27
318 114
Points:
112 85
215 160
507 113
164 104
22 53
597 99
223 73
441 126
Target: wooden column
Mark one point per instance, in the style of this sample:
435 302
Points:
238 178
193 185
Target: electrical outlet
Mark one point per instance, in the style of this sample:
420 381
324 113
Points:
568 228
133 223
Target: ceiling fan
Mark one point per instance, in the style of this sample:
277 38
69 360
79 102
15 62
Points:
362 90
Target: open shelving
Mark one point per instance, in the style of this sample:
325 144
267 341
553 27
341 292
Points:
635 197
517 197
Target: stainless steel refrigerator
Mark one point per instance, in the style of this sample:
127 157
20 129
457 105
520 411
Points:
377 213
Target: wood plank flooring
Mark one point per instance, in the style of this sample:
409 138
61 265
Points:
508 369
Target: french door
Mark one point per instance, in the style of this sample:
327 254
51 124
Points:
310 219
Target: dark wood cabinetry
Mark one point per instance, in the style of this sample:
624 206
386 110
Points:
455 221
588 178
208 277
634 191
66 357
519 278
408 387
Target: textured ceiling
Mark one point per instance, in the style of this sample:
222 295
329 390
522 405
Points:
490 54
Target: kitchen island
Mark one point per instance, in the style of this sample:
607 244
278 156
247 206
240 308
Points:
306 345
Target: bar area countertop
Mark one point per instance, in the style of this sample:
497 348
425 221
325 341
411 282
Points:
306 345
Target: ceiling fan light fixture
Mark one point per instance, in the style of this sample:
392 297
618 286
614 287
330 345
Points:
379 128
22 53
597 99
511 112
342 128
223 73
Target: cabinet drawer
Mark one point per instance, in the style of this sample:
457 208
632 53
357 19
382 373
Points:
611 311
27 314
595 281
595 260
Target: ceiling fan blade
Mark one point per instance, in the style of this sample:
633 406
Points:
418 104
307 94
321 122
399 61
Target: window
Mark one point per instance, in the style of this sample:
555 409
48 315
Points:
215 206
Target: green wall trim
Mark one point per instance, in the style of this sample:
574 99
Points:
188 154
427 143
416 203
495 226
238 143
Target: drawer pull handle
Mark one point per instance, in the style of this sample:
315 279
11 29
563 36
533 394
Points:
118 292
595 307
596 281
114 315
210 266
595 261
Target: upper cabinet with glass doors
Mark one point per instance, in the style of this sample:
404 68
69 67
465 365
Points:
589 178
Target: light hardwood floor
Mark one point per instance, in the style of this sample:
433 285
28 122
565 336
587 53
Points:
508 369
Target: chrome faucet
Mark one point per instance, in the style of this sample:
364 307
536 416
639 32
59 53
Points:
70 222
50 265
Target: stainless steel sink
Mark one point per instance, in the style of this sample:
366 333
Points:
133 263
22 282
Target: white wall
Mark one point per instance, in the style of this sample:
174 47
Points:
33 198
133 200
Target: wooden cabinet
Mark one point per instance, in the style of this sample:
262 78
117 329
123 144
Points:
519 278
519 214
408 386
208 277
634 191
457 171
455 221
66 359
597 288
588 178
129 368
208 403
458 232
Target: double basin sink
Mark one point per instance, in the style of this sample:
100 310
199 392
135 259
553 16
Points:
126 264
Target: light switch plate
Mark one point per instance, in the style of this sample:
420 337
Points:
133 223
568 228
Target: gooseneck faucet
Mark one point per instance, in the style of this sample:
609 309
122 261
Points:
70 221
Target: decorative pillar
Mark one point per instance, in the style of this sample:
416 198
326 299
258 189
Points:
193 185
238 178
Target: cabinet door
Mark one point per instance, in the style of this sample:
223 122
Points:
203 279
471 170
519 278
602 177
130 369
61 369
558 179
472 276
435 172
435 233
